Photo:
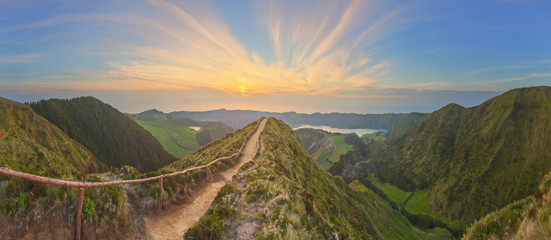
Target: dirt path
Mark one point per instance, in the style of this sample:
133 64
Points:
173 223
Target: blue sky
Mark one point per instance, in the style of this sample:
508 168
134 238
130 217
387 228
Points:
304 56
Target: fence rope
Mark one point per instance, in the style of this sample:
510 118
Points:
82 185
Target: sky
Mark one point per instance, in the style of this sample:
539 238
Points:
304 56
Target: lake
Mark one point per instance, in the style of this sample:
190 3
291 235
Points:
358 131
195 128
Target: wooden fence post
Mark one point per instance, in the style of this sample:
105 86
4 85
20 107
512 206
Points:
79 213
160 193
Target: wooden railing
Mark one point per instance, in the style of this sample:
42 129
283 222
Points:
82 185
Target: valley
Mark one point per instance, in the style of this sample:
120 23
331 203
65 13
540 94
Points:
401 184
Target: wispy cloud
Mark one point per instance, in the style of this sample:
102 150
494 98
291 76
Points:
496 68
319 47
25 58
517 78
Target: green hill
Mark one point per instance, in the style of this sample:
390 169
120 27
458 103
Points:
29 210
529 218
465 157
149 115
239 118
212 131
176 134
112 137
284 194
29 143
314 142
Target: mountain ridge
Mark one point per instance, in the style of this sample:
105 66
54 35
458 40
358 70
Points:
464 155
113 137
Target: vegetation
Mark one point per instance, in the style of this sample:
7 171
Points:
355 152
222 147
394 194
284 194
314 142
112 137
239 118
378 136
161 125
166 141
464 157
31 144
529 218
148 116
212 131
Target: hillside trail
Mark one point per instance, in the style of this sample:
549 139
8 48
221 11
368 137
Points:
173 223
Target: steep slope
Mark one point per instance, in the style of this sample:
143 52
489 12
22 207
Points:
212 131
465 156
30 210
314 142
284 194
529 218
112 137
29 143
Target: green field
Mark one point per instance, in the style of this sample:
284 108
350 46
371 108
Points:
342 148
183 134
372 137
419 204
393 193
167 142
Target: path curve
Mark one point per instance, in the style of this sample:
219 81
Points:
174 223
331 153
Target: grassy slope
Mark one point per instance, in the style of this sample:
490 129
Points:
29 143
168 144
222 147
111 136
286 195
465 156
524 219
342 148
393 193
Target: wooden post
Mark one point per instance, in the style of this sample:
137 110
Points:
160 193
79 213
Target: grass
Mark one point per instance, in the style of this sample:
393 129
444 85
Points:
393 193
342 148
373 137
183 134
419 204
290 197
168 144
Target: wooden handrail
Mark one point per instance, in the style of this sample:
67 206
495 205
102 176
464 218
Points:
82 185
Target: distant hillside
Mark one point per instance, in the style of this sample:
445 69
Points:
284 194
212 131
314 142
239 118
29 143
524 219
466 157
111 136
176 134
149 115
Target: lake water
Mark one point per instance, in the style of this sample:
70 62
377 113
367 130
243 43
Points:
358 131
195 128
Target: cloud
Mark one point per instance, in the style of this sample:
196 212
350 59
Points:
318 47
496 68
25 58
